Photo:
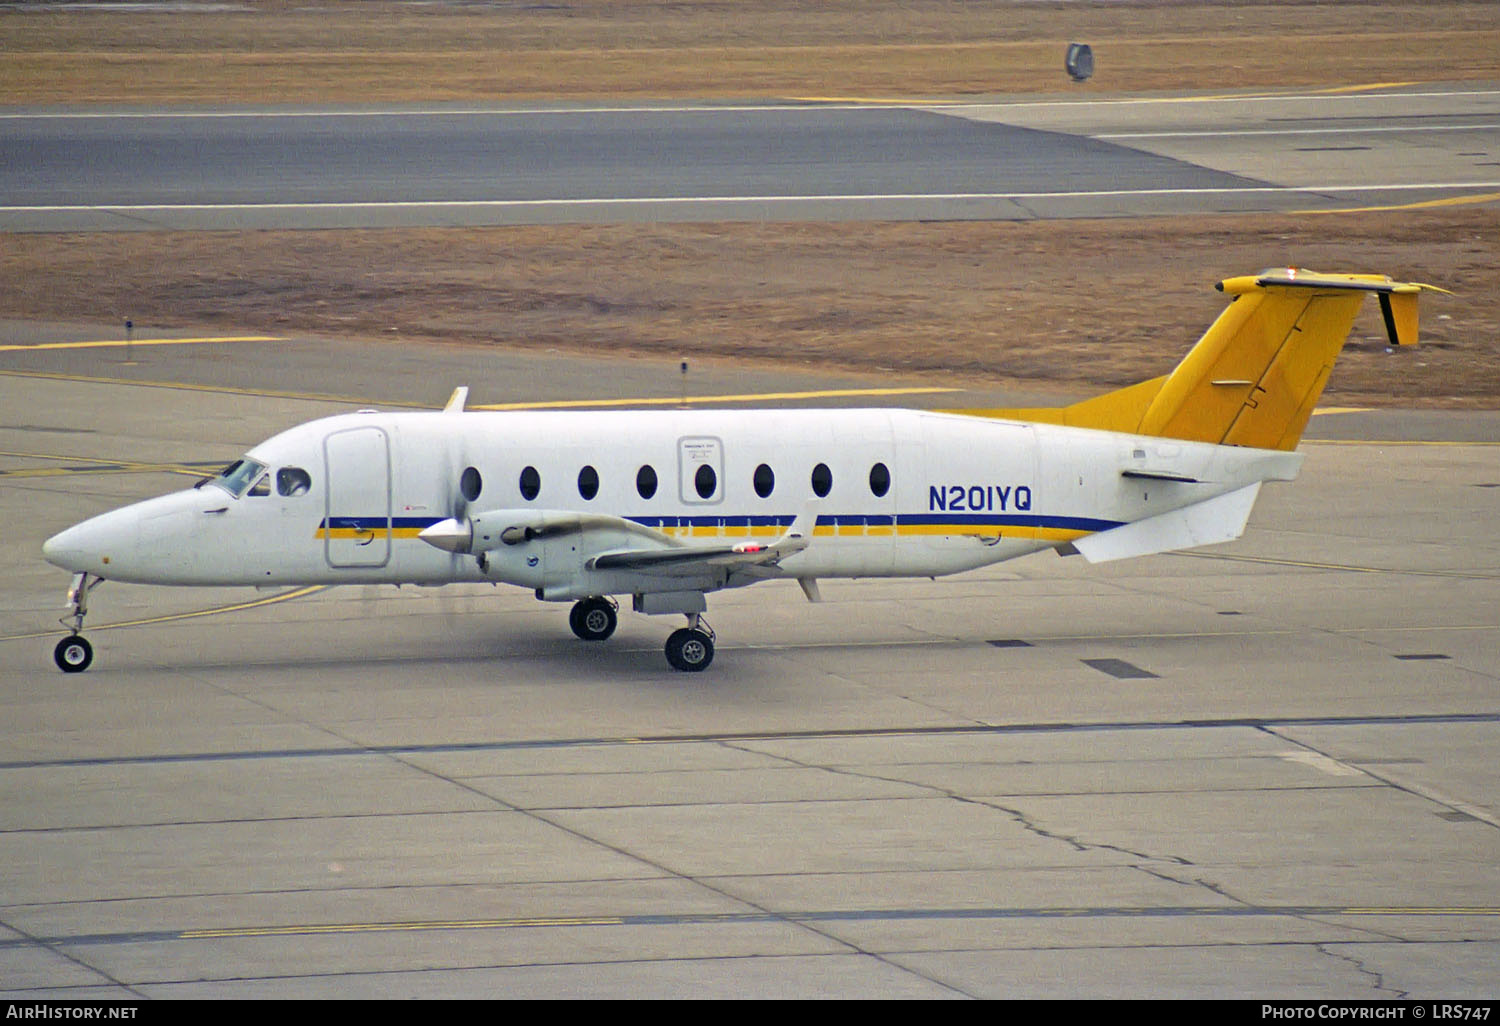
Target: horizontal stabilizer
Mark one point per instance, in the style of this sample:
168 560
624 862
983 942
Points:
1159 475
1210 522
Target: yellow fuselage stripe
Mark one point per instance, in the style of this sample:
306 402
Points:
771 531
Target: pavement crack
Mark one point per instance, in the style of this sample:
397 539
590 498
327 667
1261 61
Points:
1377 979
1019 816
1076 843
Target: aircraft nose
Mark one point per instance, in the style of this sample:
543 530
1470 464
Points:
94 546
69 550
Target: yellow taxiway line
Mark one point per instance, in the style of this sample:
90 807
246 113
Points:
270 600
1213 97
187 386
293 930
1342 567
828 393
554 404
123 343
94 465
441 924
1452 201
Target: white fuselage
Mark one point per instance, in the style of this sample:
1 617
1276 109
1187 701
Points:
894 493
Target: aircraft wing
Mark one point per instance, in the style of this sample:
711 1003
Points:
493 529
688 559
617 543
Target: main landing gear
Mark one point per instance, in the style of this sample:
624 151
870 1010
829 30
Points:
593 619
689 649
73 654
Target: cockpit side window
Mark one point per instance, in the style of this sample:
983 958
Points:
293 481
238 476
262 486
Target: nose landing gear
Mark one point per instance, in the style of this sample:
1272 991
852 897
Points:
73 654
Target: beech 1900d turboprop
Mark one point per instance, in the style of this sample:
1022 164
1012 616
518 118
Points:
667 506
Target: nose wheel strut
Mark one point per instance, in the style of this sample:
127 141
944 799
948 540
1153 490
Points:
73 654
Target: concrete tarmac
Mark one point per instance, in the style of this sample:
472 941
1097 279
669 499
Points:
1262 770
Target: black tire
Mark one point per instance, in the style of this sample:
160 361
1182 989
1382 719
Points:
593 619
689 650
73 654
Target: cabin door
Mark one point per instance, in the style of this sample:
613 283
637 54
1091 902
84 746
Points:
357 517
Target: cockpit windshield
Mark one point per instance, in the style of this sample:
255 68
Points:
238 476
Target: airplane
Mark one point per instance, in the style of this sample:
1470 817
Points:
668 506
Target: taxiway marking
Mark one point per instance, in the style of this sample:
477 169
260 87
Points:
827 393
93 465
794 104
813 916
1451 201
750 917
191 615
598 202
188 386
1268 724
1354 92
1346 568
124 343
541 404
1236 132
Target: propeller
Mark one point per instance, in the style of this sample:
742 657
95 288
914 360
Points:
456 534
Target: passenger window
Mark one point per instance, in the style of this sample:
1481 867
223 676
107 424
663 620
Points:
645 481
588 482
822 480
293 481
531 484
705 480
764 480
261 487
470 484
880 479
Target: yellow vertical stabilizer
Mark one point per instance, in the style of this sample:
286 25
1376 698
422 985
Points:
1255 375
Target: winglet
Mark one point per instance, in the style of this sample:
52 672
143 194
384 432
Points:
456 401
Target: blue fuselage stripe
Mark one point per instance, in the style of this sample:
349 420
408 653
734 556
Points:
968 520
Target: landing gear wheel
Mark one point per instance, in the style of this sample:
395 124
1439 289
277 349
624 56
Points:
690 650
593 619
73 654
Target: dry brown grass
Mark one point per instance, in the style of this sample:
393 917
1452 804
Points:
1082 304
734 48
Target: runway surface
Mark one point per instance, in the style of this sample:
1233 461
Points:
1260 770
811 159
